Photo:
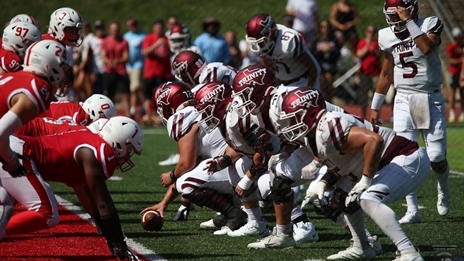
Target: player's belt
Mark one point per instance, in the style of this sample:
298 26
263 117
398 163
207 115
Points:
287 82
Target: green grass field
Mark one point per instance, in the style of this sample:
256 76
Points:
140 188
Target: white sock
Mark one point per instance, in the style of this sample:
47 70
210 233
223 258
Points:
442 178
386 219
284 229
356 223
253 214
411 201
296 212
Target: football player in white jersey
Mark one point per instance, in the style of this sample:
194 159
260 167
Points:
257 92
248 136
191 68
410 45
173 102
356 150
284 51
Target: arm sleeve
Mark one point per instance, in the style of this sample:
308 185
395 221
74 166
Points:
9 123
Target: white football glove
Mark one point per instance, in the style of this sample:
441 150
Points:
356 191
316 192
309 171
276 159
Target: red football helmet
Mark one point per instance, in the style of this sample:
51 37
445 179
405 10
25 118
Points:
187 67
251 86
170 97
301 110
261 32
212 101
179 39
392 17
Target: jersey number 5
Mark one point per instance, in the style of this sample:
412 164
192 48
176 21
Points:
405 65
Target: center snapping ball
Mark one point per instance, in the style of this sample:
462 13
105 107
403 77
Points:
152 221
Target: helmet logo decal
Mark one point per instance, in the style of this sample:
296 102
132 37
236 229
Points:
305 99
181 66
164 96
266 24
253 77
216 94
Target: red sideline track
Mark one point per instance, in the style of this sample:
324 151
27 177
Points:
73 239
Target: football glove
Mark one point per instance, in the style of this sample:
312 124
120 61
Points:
357 190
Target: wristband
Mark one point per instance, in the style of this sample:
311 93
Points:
413 29
377 101
245 183
173 177
228 159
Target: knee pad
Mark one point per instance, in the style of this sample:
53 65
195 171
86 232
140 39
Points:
281 190
439 167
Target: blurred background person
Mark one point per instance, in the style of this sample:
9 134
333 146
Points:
115 54
172 20
327 51
344 17
157 68
306 18
234 49
98 66
369 55
454 53
134 66
213 45
83 66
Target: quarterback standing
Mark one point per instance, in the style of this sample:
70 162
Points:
410 45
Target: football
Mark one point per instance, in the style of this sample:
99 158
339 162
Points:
152 221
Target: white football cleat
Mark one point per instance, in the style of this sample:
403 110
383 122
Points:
274 241
252 228
171 160
182 213
223 231
443 204
409 256
305 232
354 253
410 218
208 224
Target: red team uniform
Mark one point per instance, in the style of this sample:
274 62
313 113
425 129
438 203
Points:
9 61
36 88
66 110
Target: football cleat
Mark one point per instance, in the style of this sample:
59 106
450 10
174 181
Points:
216 222
305 232
274 241
171 160
443 204
408 256
223 231
182 213
252 228
410 218
354 253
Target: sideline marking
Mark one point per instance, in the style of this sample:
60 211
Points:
141 249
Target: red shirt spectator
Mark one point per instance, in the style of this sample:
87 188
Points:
156 49
454 51
115 49
370 63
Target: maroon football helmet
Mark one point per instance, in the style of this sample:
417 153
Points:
187 67
392 17
170 97
251 87
212 101
261 34
301 110
179 38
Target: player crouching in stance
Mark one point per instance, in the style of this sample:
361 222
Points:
75 158
356 150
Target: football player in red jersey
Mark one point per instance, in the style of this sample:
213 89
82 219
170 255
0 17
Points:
65 27
17 37
75 158
25 95
26 19
95 107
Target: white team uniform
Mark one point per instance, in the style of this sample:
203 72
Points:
287 68
209 145
217 72
419 103
403 166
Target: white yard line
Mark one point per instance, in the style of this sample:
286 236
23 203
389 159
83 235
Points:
141 249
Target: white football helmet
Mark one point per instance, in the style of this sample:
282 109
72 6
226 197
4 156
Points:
66 24
26 19
47 58
99 106
17 37
125 136
95 126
